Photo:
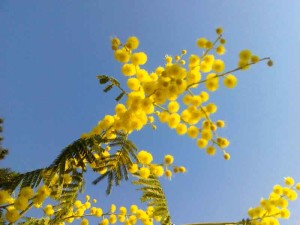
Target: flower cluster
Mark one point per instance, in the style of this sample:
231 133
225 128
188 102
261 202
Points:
171 92
276 205
80 210
144 167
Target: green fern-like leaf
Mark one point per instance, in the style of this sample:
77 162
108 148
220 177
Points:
118 163
153 194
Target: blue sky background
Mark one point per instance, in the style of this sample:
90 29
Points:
51 52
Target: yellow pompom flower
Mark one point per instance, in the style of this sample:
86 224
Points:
77 203
193 132
205 67
121 218
284 213
187 99
292 195
173 107
209 44
212 82
98 212
133 84
175 169
87 205
168 59
168 159
245 55
220 123
210 150
79 212
206 134
12 215
132 219
113 219
277 189
121 55
151 119
93 210
219 30
4 196
44 191
115 41
173 120
48 210
289 181
211 108
194 60
223 142
206 124
132 43
222 41
128 69
182 169
133 209
120 109
254 59
26 192
218 66
21 203
181 129
144 172
201 42
157 170
204 96
84 221
164 116
144 157
298 186
159 70
196 100
113 208
230 81
168 173
202 143
104 221
226 156
220 50
138 58
123 210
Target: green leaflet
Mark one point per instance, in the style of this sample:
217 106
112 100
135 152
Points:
153 193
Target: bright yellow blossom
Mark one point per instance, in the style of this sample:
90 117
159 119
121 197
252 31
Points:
230 81
201 42
144 172
138 58
128 69
144 157
12 214
132 43
4 196
168 159
122 55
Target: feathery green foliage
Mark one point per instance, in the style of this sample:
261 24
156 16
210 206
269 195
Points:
118 163
103 79
153 194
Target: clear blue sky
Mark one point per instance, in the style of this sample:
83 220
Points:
51 52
